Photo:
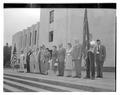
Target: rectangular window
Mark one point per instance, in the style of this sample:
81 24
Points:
25 40
51 36
30 39
35 37
51 16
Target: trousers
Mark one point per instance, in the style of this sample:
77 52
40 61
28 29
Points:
61 68
77 67
90 65
99 65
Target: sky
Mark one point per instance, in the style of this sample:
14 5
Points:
16 20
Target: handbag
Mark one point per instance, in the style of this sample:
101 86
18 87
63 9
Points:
56 64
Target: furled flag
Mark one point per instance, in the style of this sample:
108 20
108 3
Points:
85 44
14 57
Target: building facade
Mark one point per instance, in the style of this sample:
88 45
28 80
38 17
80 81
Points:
63 25
26 39
67 25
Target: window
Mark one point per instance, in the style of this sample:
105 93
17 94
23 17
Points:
51 16
25 40
51 36
30 39
35 37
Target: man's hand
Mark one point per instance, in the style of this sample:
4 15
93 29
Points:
56 59
79 57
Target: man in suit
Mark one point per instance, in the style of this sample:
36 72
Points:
91 61
90 58
100 55
28 61
61 60
22 57
39 58
76 57
54 58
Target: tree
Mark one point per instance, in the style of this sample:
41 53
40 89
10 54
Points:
7 55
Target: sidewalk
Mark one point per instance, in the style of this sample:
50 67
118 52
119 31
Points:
107 82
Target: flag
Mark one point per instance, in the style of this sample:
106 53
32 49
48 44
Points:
85 44
14 56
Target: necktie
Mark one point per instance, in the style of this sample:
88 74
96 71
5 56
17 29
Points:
98 48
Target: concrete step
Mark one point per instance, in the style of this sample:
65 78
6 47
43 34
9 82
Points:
55 83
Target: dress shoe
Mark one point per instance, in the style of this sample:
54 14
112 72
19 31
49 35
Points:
86 77
59 75
69 76
92 78
76 77
99 77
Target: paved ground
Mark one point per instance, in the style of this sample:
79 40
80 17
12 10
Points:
29 82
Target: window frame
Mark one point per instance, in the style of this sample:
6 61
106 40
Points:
30 39
25 40
51 14
35 40
51 35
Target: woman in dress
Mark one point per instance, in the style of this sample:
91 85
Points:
68 59
36 61
47 58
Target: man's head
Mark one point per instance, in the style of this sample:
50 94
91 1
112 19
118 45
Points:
47 49
54 47
92 44
90 37
60 45
43 46
37 49
98 42
6 44
69 45
76 42
22 52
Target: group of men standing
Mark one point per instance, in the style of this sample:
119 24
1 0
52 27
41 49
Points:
95 54
38 60
70 59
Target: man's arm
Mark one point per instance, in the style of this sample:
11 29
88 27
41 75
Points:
80 52
104 52
64 51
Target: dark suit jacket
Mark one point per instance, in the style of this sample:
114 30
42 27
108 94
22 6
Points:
54 54
76 52
61 54
102 53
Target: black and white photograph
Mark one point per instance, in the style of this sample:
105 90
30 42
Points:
65 47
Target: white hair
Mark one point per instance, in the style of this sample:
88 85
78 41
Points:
92 43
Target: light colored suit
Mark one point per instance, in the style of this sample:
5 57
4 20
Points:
61 61
37 70
76 56
32 63
22 58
